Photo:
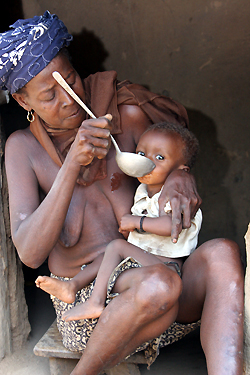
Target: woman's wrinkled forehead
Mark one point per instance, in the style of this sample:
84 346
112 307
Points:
43 82
28 48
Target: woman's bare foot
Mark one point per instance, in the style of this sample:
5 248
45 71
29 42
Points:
64 290
86 310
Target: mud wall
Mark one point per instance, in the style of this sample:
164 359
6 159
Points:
198 53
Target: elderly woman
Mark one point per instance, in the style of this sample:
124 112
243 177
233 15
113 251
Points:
67 196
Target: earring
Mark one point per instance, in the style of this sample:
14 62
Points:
30 116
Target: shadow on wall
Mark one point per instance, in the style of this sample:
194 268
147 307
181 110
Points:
88 53
11 11
219 217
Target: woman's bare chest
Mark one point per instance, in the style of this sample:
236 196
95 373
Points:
93 211
90 218
90 214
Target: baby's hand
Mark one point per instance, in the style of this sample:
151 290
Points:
128 223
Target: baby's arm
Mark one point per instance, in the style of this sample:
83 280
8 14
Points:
157 225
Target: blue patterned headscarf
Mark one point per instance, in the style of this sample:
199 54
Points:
29 48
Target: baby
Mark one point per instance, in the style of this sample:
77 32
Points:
170 147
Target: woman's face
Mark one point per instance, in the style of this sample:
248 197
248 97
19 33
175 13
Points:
49 100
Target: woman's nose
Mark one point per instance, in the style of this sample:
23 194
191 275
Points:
65 98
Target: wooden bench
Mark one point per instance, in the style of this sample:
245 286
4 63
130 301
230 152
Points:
62 361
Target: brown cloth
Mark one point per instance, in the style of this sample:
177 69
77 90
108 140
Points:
103 94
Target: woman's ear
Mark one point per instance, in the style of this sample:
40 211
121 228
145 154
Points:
184 168
21 100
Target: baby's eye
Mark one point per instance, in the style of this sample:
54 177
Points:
141 153
160 157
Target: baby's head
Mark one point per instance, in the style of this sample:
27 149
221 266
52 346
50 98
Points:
170 147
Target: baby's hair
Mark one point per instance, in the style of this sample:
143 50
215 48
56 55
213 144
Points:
190 142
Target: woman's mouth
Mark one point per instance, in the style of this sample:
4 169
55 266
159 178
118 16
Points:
74 114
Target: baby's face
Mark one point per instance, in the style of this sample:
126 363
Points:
165 150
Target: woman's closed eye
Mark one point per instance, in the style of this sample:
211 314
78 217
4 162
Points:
49 98
71 83
52 95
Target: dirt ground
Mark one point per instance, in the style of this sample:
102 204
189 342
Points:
182 358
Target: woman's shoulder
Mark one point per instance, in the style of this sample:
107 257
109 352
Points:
20 134
133 120
20 141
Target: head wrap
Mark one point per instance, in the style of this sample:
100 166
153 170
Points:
27 49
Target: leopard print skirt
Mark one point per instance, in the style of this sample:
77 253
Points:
75 334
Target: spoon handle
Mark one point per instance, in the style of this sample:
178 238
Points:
69 90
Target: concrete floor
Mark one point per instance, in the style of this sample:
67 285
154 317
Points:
182 358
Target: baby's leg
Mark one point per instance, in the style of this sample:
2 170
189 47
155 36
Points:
66 290
115 252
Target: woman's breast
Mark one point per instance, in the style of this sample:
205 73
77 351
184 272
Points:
89 227
90 218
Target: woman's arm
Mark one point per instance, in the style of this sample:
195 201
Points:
35 225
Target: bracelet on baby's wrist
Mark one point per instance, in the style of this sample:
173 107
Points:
141 230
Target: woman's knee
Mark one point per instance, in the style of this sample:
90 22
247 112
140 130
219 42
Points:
159 289
220 249
222 256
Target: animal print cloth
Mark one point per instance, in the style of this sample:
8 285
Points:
76 333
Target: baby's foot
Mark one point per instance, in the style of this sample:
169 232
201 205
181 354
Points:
86 310
58 288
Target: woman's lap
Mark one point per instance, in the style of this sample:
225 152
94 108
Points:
76 333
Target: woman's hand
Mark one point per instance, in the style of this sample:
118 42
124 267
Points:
180 190
92 140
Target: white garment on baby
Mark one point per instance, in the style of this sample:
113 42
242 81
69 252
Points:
162 245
